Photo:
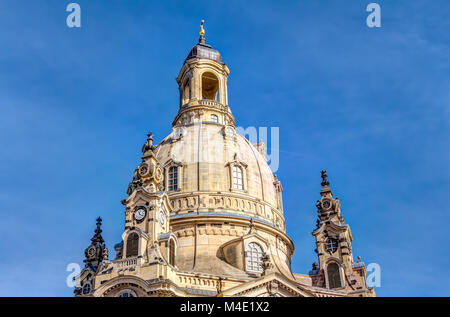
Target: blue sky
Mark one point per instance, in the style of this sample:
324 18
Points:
371 106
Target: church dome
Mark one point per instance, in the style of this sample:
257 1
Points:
219 171
225 202
203 50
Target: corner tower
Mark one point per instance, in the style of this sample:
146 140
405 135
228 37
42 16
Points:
336 269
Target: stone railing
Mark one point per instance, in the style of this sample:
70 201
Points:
358 264
212 103
126 262
203 282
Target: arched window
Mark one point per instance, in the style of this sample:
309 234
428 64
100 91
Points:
210 86
334 277
173 178
238 182
132 245
171 252
127 293
214 118
186 92
254 254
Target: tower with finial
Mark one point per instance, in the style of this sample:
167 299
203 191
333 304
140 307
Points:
335 268
97 251
96 255
147 211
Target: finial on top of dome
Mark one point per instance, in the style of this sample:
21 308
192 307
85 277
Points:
202 33
98 237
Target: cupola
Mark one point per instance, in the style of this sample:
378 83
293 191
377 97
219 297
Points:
202 84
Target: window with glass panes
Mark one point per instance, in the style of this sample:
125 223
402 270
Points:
173 178
332 245
172 252
254 254
334 277
132 245
237 178
86 289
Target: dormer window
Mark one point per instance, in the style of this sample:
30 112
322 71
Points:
173 179
238 182
237 170
173 172
254 254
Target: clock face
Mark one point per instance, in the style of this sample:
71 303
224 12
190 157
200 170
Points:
143 169
162 217
91 251
326 204
139 214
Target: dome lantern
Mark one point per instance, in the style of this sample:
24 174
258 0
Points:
202 84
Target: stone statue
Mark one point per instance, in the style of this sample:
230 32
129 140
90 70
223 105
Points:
324 178
148 145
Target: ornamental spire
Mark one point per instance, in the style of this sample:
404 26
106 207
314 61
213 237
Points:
97 251
98 236
325 183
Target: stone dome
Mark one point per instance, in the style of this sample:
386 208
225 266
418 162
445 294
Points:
205 155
